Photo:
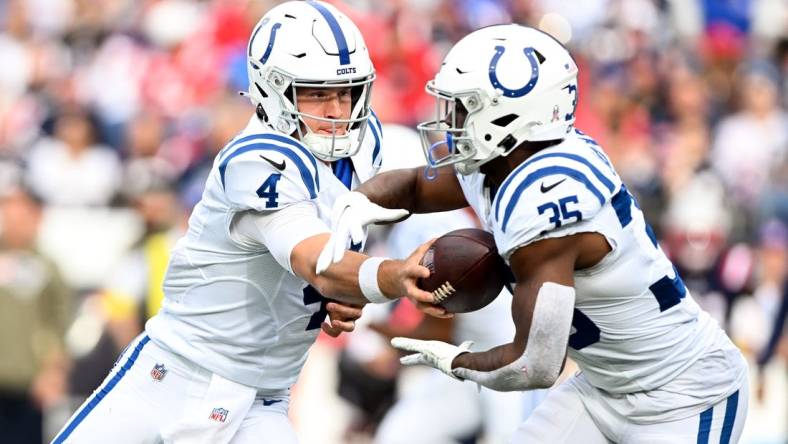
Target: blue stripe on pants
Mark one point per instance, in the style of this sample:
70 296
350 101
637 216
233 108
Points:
730 418
705 426
104 391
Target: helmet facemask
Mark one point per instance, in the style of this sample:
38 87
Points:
324 147
447 140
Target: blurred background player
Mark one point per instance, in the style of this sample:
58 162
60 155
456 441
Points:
36 311
591 280
242 304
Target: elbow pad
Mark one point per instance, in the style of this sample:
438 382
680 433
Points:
540 363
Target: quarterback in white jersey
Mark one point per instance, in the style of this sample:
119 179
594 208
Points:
591 279
243 303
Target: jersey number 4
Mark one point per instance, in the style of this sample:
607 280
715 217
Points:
268 191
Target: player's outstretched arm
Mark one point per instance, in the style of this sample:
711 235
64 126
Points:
388 197
542 311
411 190
358 279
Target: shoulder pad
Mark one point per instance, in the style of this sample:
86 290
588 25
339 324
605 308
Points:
369 157
376 128
267 172
554 188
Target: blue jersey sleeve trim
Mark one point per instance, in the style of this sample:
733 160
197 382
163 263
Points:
101 393
376 150
277 138
300 147
622 204
598 174
377 122
339 37
544 172
306 175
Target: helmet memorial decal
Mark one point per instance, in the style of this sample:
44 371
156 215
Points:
529 54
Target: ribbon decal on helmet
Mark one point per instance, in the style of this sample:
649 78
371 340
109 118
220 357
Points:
529 54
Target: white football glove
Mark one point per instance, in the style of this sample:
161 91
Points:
433 353
351 213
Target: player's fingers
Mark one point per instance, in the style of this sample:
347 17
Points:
417 294
389 214
414 359
434 310
465 345
464 373
407 344
325 258
344 326
343 312
417 271
357 233
341 236
337 213
418 253
329 330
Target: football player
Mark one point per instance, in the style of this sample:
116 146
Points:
591 279
243 303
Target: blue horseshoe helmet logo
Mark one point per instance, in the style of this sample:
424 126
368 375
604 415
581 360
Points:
529 54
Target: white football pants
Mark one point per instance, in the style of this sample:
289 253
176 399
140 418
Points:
154 396
564 418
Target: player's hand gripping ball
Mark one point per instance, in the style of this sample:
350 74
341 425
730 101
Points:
466 272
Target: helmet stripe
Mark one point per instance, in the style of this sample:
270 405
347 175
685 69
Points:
344 54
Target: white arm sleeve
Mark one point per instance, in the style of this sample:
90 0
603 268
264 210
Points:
278 231
540 363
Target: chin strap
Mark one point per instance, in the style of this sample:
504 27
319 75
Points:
326 146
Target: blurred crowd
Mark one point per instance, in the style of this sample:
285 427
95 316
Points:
111 112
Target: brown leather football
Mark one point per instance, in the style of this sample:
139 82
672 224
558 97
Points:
466 272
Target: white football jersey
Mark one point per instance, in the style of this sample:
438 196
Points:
232 306
635 325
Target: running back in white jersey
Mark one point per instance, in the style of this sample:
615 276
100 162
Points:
230 305
635 326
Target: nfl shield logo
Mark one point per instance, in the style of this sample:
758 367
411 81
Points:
555 114
159 372
218 414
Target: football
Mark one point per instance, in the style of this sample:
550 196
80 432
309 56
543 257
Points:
466 272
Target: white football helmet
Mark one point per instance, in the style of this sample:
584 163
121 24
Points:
497 87
310 44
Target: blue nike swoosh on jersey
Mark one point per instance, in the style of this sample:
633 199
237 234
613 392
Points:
267 402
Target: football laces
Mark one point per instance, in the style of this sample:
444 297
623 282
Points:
444 291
